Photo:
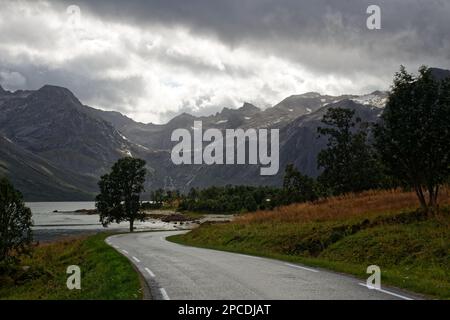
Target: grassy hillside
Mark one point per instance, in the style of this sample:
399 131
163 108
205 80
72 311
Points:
105 274
347 234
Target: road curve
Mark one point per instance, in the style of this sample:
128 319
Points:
186 273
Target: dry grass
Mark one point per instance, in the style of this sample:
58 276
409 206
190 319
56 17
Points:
369 203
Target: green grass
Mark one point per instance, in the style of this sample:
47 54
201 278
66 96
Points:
105 274
413 252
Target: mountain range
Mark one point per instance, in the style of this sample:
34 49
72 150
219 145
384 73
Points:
55 148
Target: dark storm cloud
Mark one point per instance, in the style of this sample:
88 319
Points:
412 30
80 76
231 51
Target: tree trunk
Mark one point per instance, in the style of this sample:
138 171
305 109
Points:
433 198
420 195
131 225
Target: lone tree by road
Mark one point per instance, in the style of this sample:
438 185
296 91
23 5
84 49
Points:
413 137
15 223
119 198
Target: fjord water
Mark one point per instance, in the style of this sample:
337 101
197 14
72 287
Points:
50 225
44 215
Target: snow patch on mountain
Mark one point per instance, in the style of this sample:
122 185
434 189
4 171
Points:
7 139
127 153
377 100
122 136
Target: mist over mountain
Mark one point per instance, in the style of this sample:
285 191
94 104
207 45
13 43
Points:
55 148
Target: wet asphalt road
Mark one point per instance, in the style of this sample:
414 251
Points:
186 273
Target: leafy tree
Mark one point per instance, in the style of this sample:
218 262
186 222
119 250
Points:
250 203
413 138
349 163
171 198
193 193
157 196
120 192
15 223
230 199
298 187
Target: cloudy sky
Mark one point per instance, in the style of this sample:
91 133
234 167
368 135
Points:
154 59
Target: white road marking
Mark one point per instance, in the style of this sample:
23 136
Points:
125 251
387 292
164 294
249 256
117 247
300 267
136 259
150 272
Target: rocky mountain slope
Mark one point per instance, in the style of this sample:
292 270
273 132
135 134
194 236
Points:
38 179
55 148
66 146
53 124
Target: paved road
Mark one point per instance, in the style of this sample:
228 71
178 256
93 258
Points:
180 272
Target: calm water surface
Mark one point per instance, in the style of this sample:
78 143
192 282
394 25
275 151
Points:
45 217
66 218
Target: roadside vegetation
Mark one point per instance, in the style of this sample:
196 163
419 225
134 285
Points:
105 274
15 225
30 271
338 224
347 234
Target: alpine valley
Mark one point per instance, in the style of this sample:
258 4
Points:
55 148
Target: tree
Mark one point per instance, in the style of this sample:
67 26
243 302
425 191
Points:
193 194
157 196
250 203
120 192
298 187
15 223
349 163
413 137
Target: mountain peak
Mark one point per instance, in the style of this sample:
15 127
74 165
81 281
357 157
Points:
2 91
55 94
248 107
311 95
182 118
378 93
55 90
440 74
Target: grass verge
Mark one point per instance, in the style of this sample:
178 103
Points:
412 250
105 274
